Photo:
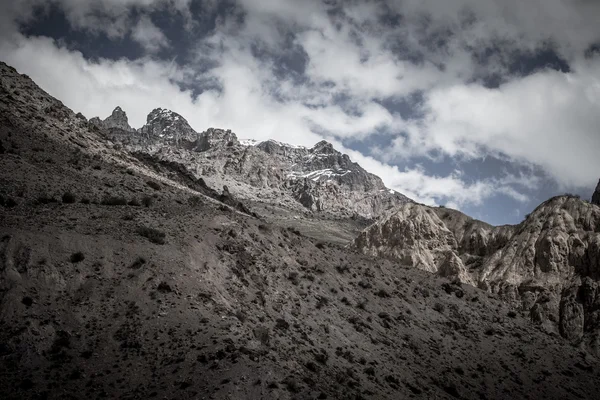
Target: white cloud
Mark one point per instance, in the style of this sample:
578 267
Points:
549 119
149 36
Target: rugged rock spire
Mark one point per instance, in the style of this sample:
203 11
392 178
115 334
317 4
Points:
117 120
168 126
596 195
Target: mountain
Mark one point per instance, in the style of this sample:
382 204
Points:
317 179
547 266
123 275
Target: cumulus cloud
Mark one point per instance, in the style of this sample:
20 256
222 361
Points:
300 73
149 36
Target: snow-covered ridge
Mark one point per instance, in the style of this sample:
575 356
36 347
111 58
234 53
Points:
316 175
249 142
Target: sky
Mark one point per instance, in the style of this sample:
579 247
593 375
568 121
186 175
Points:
488 106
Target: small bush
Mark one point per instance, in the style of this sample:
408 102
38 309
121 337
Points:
322 302
134 202
164 287
137 264
85 201
512 314
439 307
46 200
10 203
153 185
293 277
147 201
154 235
114 201
68 198
77 257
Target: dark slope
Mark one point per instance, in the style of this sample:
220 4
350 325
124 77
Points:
188 298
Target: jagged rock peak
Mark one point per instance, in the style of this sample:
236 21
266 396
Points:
214 137
118 119
169 126
596 195
324 147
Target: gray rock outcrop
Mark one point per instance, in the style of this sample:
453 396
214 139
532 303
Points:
317 179
548 265
117 120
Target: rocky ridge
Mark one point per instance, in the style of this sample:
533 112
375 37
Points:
548 265
317 179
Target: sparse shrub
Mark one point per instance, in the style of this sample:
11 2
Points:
134 202
114 201
322 357
10 203
138 263
320 245
512 314
282 324
147 201
128 217
364 284
293 277
322 302
68 198
46 200
85 201
164 287
342 268
382 293
439 307
154 235
154 185
77 257
28 301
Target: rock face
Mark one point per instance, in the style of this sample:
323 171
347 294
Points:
596 195
117 120
317 179
549 264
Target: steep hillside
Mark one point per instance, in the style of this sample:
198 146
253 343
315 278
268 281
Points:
127 277
549 265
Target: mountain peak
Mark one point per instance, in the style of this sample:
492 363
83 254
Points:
168 125
324 147
116 120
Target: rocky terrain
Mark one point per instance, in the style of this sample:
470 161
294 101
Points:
596 195
547 266
317 179
124 274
